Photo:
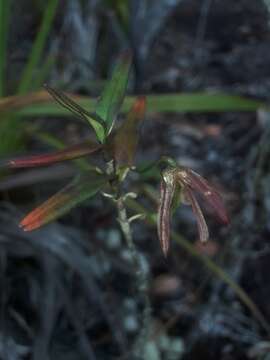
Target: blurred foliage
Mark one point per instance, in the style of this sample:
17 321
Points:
40 104
33 74
121 9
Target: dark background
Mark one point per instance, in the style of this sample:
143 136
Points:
67 291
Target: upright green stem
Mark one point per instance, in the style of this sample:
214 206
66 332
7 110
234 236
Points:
141 277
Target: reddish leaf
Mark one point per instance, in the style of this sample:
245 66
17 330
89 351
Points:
62 202
125 140
70 153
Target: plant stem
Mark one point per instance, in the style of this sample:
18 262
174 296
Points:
141 277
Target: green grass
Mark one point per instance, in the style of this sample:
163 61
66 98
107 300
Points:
4 26
11 125
180 103
38 47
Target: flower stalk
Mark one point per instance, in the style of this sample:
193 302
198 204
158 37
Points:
141 279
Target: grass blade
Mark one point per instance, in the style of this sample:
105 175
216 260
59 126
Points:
38 46
38 104
4 23
43 73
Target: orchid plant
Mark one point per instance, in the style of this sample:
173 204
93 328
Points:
118 147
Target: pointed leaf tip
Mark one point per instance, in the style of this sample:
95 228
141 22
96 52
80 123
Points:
91 118
140 106
63 201
124 142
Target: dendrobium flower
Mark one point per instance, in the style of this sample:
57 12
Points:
190 185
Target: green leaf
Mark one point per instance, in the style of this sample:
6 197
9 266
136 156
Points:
60 203
67 103
113 95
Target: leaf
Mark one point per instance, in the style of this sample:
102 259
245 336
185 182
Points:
113 95
167 188
91 118
57 144
33 104
60 203
201 223
125 140
69 153
36 175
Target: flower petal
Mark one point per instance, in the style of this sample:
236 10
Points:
209 193
167 189
201 223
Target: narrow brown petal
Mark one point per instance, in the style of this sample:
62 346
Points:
201 223
207 191
167 189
